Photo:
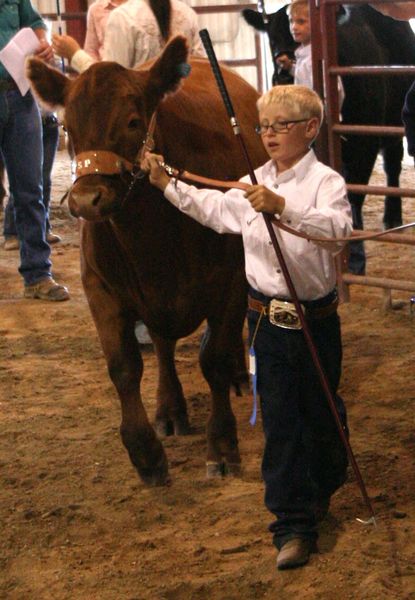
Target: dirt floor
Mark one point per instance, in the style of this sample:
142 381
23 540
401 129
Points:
76 523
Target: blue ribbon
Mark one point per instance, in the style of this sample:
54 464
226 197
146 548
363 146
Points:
252 372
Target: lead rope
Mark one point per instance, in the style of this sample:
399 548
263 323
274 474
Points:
240 185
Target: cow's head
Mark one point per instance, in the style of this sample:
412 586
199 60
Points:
107 111
277 26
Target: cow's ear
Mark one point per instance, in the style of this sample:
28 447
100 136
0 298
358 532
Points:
254 18
167 72
49 85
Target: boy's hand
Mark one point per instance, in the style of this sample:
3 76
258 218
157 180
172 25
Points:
157 175
263 200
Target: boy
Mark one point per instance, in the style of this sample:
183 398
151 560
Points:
304 461
302 69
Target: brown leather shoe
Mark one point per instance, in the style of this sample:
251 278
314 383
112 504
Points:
47 289
295 553
53 238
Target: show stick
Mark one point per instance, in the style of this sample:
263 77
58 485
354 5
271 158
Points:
59 19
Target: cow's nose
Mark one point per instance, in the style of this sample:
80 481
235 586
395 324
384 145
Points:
84 204
86 197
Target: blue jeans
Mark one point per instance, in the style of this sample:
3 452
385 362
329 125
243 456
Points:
50 140
21 147
304 459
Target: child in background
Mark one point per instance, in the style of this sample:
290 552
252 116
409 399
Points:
302 68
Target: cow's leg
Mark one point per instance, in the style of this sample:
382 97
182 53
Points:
222 442
3 191
171 413
115 327
219 361
240 379
392 152
358 156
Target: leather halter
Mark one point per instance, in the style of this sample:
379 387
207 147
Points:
104 162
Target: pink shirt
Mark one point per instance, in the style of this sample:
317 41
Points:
97 18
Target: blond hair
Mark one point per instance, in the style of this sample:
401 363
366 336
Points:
297 6
299 101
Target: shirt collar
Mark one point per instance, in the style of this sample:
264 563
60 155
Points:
299 170
108 4
303 51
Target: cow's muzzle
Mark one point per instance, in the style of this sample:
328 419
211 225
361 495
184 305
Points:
93 202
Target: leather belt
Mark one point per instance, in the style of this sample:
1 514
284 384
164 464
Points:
319 312
7 84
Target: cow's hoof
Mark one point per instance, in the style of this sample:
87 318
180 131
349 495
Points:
156 478
223 469
155 475
233 469
163 428
214 469
166 427
182 426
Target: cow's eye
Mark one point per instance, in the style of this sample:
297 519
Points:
133 123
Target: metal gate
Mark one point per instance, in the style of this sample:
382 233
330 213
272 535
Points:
325 73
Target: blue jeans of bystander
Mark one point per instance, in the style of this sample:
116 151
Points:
21 146
50 140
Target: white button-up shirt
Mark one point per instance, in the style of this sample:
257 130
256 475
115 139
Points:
303 71
133 36
315 203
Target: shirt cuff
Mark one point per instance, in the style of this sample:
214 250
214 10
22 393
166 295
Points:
290 216
171 192
81 61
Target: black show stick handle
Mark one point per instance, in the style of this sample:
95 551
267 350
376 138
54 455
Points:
207 42
205 37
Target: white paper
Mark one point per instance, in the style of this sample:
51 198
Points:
13 56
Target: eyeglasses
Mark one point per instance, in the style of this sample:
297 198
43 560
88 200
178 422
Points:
278 126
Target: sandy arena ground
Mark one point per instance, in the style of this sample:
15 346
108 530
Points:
76 523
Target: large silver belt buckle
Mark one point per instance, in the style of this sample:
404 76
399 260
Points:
283 314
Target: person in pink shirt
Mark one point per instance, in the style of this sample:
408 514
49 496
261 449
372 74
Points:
96 22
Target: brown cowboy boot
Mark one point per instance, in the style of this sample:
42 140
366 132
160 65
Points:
295 553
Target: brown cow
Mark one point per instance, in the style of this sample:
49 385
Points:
140 257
